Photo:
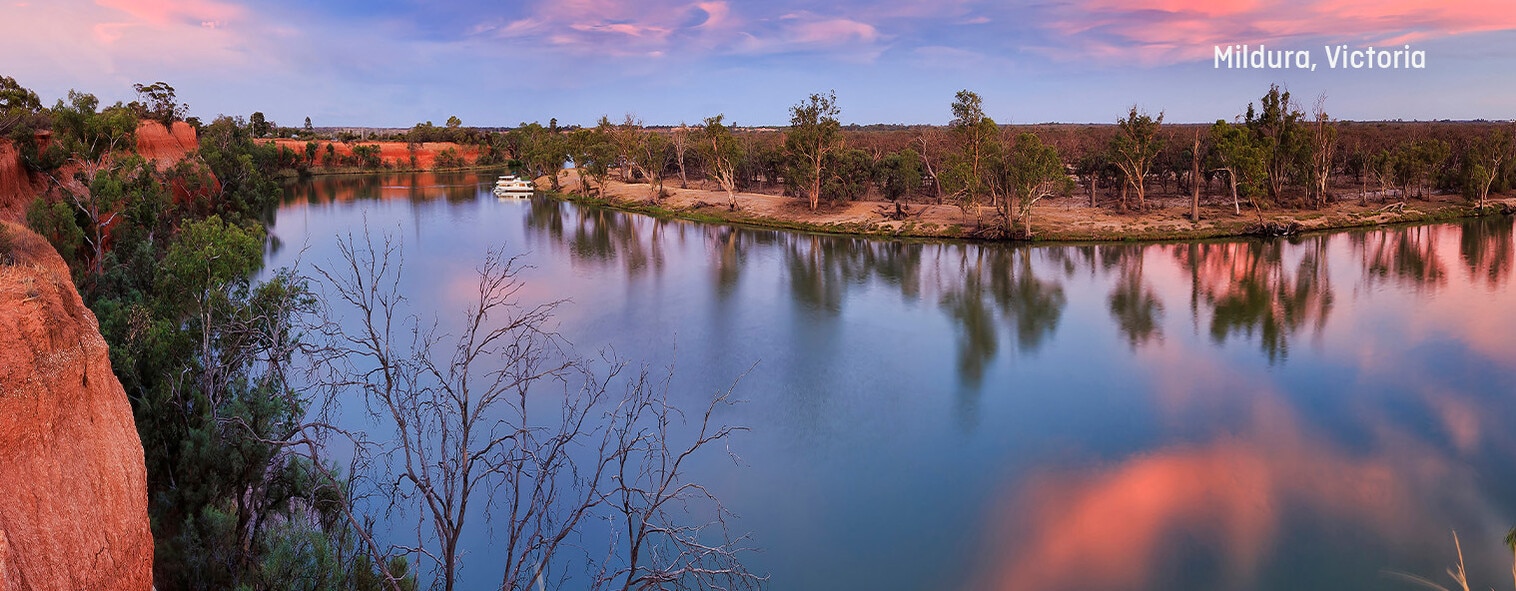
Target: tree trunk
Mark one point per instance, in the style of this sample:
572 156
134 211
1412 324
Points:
1236 205
1124 187
1195 180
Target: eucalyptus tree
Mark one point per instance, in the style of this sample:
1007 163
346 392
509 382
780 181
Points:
969 171
1134 149
1487 158
897 175
1277 127
1033 172
722 154
1237 153
1323 146
814 133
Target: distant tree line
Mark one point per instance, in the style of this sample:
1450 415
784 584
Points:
1271 155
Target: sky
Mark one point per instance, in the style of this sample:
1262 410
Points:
394 63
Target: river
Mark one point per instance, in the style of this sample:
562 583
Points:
1311 413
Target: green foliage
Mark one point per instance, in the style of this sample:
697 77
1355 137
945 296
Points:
158 102
449 158
898 174
55 222
1237 151
813 134
243 169
84 134
1278 132
259 126
1135 147
541 151
593 154
1033 171
17 106
849 172
368 156
969 172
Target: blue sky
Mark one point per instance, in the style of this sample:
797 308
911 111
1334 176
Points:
395 63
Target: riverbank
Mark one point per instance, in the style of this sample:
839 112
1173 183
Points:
1057 219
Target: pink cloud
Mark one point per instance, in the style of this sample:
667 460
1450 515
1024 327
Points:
1163 31
171 12
618 27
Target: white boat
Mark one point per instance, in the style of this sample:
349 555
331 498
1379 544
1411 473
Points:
513 186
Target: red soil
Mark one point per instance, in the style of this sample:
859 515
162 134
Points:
16 186
73 487
165 148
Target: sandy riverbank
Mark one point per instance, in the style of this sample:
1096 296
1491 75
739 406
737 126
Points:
1067 218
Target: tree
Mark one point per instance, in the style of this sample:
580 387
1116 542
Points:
259 125
814 133
1033 171
1195 158
16 103
1134 148
1486 158
1237 153
968 171
897 175
159 102
680 138
1323 146
466 435
1277 130
722 153
453 122
308 129
650 159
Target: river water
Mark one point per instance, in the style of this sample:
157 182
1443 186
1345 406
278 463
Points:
1312 413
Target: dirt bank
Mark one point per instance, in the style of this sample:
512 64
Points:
17 188
73 487
1056 219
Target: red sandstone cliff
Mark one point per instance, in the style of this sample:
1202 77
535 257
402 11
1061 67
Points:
73 489
16 187
162 146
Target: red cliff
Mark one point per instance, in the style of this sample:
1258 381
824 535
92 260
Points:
73 488
16 187
162 146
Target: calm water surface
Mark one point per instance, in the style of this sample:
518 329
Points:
1220 415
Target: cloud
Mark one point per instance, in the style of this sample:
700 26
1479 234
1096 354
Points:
1158 32
696 29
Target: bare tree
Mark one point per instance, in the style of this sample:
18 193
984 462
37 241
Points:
680 137
931 141
500 421
1323 148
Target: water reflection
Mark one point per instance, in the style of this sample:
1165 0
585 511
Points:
1260 290
965 416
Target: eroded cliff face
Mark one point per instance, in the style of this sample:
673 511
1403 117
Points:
16 187
73 487
164 146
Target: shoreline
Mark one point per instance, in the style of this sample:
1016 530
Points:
1066 219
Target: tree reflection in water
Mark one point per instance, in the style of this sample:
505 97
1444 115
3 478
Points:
1251 288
